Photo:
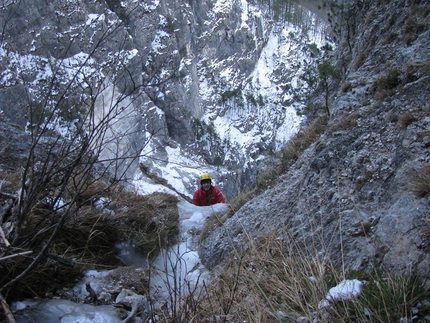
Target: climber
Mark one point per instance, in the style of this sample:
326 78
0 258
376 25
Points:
207 194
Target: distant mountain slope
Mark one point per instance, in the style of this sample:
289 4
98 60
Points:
211 86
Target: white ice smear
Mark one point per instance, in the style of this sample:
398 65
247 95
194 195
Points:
345 290
180 265
64 311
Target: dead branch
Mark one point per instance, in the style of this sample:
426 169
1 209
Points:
8 195
93 294
3 238
16 255
6 310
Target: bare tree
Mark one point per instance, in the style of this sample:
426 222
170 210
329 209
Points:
81 119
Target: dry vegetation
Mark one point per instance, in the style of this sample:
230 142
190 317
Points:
419 181
346 121
108 215
386 84
275 280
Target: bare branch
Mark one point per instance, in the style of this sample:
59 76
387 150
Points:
16 255
6 310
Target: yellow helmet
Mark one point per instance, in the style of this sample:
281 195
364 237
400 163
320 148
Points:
205 177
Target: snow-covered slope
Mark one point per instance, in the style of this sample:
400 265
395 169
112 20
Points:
207 86
247 71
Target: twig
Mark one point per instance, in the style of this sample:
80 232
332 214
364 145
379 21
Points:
93 294
8 195
3 237
16 255
6 310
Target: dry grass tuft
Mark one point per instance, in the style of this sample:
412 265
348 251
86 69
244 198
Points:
419 181
301 141
212 222
346 87
150 221
346 121
387 83
406 119
413 26
270 282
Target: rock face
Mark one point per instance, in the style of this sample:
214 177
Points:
348 198
188 70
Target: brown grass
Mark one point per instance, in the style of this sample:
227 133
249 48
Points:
275 280
406 119
414 25
346 87
386 84
88 238
301 141
270 282
346 121
260 284
150 221
419 181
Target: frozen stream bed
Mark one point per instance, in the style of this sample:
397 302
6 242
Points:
179 266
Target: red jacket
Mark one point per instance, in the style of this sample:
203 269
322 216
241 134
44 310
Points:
212 196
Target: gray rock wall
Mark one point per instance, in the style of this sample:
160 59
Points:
347 199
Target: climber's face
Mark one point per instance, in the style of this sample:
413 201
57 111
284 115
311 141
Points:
206 184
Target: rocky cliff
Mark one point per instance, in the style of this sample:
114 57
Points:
352 197
206 79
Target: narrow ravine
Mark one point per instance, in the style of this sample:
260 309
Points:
174 272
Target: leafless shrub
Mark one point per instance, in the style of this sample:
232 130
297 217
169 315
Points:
88 239
76 160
